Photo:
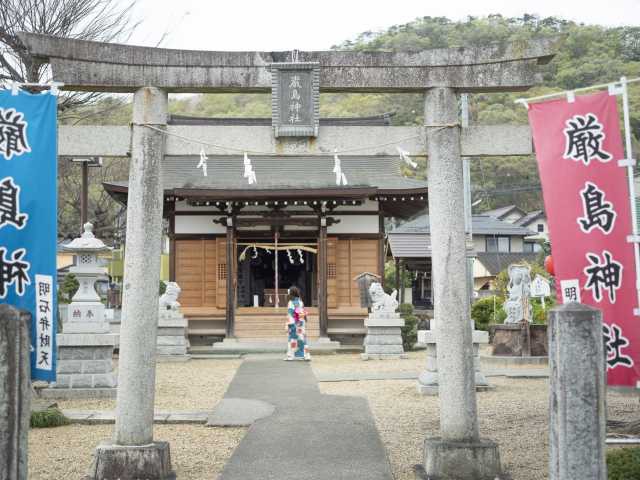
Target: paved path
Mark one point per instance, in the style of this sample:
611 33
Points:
309 436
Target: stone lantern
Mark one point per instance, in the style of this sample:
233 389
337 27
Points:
85 346
86 311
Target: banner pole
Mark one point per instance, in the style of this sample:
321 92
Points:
632 192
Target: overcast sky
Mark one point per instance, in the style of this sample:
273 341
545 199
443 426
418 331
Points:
319 24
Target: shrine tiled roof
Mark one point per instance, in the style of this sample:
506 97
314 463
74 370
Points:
380 174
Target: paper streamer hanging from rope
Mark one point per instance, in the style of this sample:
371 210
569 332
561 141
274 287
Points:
404 156
203 162
249 173
341 178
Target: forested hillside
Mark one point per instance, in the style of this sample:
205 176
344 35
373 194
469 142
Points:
589 55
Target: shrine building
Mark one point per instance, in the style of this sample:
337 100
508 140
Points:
235 248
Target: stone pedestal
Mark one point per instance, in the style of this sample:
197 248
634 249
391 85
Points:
513 340
451 460
172 335
149 462
85 366
384 338
428 380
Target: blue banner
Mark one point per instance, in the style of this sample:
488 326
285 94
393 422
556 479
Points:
28 218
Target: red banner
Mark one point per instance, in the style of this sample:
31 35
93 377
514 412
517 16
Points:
586 196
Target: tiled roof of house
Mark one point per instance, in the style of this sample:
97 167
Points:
412 239
530 218
495 262
480 224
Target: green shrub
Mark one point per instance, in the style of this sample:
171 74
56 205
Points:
68 288
487 311
623 463
50 417
410 329
540 315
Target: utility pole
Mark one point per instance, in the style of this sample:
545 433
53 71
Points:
466 166
85 163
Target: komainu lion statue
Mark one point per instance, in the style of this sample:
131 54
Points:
169 299
381 301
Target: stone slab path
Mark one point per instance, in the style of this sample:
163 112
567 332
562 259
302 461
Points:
99 417
309 436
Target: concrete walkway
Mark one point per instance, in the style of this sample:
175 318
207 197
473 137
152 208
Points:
309 436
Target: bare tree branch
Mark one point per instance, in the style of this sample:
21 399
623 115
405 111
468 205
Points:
99 20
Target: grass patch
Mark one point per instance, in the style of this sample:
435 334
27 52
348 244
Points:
50 417
624 463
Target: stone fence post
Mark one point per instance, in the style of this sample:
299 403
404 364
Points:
577 407
15 392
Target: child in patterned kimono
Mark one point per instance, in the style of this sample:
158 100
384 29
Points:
297 348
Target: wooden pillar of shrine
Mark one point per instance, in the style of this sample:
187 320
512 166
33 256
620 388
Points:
381 248
172 241
231 282
322 277
401 283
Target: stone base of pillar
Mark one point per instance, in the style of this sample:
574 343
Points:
474 460
151 462
428 380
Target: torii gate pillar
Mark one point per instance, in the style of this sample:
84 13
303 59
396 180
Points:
133 452
459 448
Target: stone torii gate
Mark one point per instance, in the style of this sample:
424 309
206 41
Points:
152 73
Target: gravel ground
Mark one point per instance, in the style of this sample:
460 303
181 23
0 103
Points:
515 415
352 363
193 385
197 452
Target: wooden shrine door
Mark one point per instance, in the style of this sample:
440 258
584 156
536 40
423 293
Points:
201 269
